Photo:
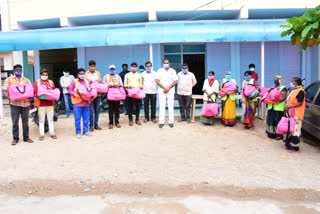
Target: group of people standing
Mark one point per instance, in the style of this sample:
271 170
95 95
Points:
161 83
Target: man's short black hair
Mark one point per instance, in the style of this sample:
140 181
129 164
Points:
67 70
134 63
252 65
92 62
166 59
17 66
185 64
211 72
125 65
80 69
141 67
148 63
248 72
44 71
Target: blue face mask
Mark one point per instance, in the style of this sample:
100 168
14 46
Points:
185 71
18 73
166 65
81 77
148 69
247 77
112 71
228 78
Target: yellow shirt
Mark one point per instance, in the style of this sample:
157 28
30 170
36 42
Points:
132 80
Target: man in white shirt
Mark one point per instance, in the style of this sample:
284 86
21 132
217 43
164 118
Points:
187 81
166 79
150 87
65 81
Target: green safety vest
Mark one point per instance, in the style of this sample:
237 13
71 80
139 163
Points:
232 96
279 106
250 82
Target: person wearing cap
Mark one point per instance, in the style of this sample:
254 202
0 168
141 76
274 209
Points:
94 75
228 102
114 81
131 80
276 109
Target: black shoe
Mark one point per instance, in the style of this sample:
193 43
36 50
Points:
171 125
145 120
181 120
161 125
188 121
154 121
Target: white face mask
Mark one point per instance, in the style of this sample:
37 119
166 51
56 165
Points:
44 77
292 85
251 69
66 74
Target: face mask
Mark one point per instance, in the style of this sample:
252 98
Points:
133 69
44 78
141 69
211 77
184 71
251 69
292 85
18 73
112 71
228 78
81 77
66 74
148 69
247 77
166 65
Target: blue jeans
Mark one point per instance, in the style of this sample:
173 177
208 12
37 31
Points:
83 112
95 109
66 98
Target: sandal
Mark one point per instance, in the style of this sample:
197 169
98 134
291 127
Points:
53 136
14 143
41 138
28 140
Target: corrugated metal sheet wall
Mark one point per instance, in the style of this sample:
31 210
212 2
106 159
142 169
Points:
250 53
117 55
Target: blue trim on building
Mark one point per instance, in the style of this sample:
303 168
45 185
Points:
143 33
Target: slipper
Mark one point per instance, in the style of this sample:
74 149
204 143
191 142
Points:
53 136
41 138
290 151
28 140
14 143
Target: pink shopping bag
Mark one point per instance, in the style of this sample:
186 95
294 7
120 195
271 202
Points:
86 93
101 87
20 92
116 94
210 109
137 93
285 126
230 87
247 90
51 93
274 95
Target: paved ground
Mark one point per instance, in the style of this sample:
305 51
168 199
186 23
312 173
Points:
188 169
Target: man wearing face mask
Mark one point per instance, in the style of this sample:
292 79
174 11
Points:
45 107
65 81
150 87
133 79
18 107
94 76
114 81
81 108
166 79
186 81
254 75
122 74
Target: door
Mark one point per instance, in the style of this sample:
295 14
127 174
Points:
196 63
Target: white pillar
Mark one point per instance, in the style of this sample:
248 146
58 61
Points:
36 64
151 53
4 11
262 63
18 57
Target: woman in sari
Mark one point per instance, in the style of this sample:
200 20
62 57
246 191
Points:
276 109
210 91
249 103
295 107
228 102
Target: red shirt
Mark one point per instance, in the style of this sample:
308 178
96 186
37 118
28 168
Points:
254 75
43 103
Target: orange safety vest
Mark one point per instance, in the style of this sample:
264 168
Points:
13 81
88 72
116 78
76 98
299 111
36 100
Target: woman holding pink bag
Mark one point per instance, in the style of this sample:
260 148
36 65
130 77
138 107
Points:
45 106
210 94
229 87
114 82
